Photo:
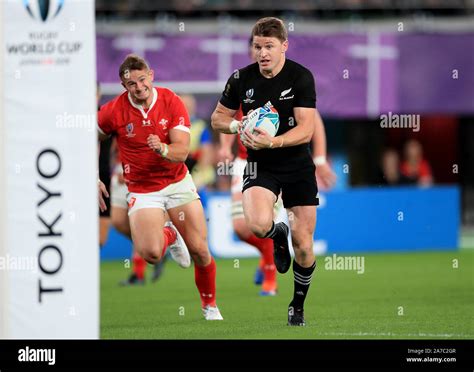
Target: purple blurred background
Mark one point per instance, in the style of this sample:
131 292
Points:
357 75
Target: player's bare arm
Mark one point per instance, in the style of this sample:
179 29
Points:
319 137
225 149
176 151
324 172
300 134
222 119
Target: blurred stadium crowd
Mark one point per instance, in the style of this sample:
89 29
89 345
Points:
131 9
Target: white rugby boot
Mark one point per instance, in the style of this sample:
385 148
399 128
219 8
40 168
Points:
212 313
178 250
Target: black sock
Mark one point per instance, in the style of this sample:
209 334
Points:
275 230
272 232
302 281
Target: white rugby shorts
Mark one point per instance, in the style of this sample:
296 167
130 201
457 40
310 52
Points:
174 195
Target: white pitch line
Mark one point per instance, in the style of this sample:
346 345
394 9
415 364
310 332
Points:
391 334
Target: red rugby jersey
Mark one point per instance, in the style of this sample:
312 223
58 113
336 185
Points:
144 170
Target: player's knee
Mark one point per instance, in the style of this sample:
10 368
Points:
303 246
151 254
259 224
151 259
260 227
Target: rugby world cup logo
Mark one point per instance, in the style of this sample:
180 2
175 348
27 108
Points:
129 129
43 9
249 94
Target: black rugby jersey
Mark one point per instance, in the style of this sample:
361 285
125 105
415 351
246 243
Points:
292 87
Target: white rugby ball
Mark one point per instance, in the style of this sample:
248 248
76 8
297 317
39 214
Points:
265 118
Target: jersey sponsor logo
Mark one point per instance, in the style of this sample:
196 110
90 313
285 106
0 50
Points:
284 93
146 123
249 93
129 129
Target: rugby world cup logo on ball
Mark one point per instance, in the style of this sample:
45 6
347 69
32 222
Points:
265 118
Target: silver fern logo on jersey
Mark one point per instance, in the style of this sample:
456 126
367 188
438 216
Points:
284 93
249 94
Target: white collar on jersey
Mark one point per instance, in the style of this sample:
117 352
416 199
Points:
140 107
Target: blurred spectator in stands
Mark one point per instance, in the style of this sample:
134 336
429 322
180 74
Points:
200 158
414 166
391 175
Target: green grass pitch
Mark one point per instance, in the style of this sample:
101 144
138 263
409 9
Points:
400 296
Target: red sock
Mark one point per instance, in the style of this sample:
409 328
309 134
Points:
205 278
169 236
138 265
267 263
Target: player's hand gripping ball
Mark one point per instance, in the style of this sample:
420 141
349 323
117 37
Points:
265 118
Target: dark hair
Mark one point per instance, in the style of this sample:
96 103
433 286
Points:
132 62
270 27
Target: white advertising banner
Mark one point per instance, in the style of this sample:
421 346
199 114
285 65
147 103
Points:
49 254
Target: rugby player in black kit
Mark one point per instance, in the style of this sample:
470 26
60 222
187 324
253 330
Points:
284 162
